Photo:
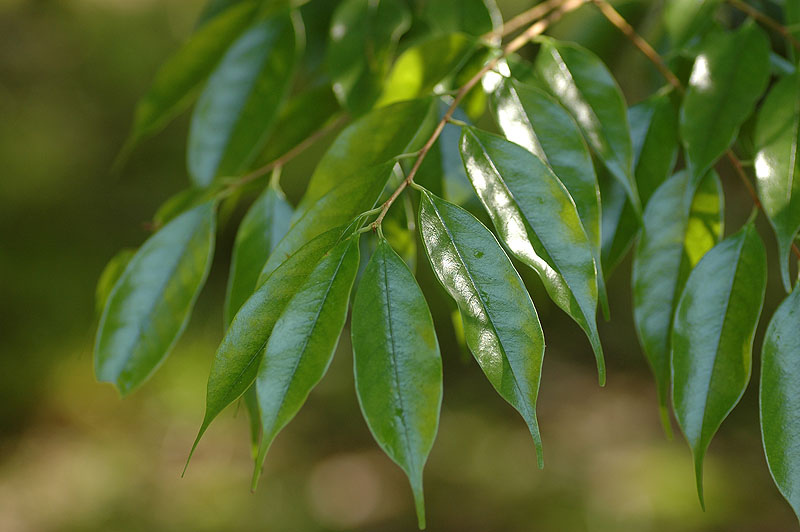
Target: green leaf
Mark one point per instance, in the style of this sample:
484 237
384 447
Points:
777 166
181 202
239 105
712 338
304 339
474 17
779 399
109 277
264 225
237 359
422 67
392 130
536 218
398 369
179 79
684 19
363 37
352 196
534 120
583 84
150 304
501 327
674 238
729 75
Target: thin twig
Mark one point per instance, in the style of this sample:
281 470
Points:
765 20
523 19
518 42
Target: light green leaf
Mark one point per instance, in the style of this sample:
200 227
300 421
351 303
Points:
501 327
712 338
264 225
583 84
179 79
150 304
536 218
238 107
534 120
674 238
398 369
304 339
109 277
363 37
729 75
779 398
777 165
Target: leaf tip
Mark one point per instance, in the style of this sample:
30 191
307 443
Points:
665 424
698 472
419 500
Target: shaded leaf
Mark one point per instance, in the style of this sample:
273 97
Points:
398 369
684 19
501 327
150 304
181 202
474 17
712 338
109 277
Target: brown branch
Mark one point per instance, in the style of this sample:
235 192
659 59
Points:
765 20
518 42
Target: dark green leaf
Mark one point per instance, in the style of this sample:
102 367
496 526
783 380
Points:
780 398
777 166
109 277
729 75
674 238
536 218
181 202
150 304
398 370
264 225
240 103
712 338
474 17
364 34
684 19
500 323
587 89
304 339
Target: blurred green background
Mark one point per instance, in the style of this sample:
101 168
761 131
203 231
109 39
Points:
73 456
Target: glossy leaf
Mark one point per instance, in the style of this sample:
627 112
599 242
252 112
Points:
501 327
109 277
150 304
534 120
712 338
398 369
364 34
583 84
179 79
777 166
264 225
729 75
303 341
779 398
240 103
675 236
536 218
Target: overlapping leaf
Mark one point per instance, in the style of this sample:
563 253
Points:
501 327
151 302
474 17
536 218
398 369
712 338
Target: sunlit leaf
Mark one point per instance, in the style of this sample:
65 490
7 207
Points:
398 370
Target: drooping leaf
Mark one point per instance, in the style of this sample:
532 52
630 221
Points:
777 165
179 79
536 218
583 84
181 202
779 399
150 304
684 19
109 277
501 327
534 120
729 75
264 225
304 338
674 238
239 354
474 17
364 34
712 338
213 8
239 104
398 369
354 194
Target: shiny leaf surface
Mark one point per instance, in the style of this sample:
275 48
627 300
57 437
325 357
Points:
398 369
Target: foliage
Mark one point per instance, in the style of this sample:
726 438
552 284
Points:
574 181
